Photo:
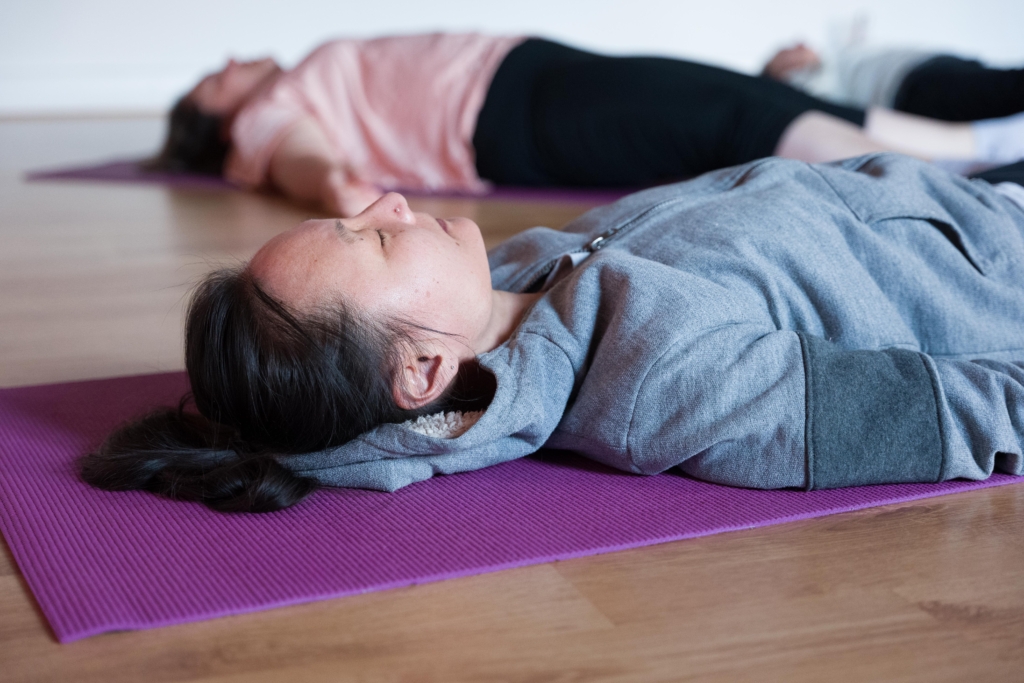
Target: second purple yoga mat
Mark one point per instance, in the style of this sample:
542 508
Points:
99 561
130 171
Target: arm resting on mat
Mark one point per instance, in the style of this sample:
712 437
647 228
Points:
787 409
302 167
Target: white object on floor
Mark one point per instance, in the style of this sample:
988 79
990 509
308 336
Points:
854 72
444 425
860 77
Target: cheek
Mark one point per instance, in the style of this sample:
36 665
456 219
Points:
410 294
445 298
433 284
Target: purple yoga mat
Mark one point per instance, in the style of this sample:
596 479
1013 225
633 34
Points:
99 561
130 171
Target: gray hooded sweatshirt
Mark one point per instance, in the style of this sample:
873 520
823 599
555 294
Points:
776 324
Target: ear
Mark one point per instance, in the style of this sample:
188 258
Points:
425 374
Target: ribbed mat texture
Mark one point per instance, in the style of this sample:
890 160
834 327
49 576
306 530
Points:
99 561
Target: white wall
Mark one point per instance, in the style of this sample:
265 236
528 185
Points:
137 55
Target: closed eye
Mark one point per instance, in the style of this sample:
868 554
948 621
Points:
381 234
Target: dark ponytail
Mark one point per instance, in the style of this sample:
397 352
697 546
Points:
184 456
195 143
267 383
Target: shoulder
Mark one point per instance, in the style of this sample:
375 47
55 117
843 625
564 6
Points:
330 50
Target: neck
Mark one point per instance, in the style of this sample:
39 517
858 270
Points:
507 311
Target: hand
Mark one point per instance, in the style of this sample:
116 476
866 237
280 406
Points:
791 60
344 195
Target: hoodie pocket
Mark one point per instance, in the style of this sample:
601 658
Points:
910 227
900 196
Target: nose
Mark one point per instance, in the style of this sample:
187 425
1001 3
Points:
391 205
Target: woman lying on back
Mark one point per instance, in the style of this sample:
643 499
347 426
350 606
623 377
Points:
450 111
776 324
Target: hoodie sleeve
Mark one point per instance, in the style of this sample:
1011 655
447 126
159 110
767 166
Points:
781 409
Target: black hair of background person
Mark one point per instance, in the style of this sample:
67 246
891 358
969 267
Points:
196 142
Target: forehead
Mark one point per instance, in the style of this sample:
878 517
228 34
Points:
307 243
304 265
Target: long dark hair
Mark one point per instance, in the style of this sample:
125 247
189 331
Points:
195 142
266 382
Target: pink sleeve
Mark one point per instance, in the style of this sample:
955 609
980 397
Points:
255 135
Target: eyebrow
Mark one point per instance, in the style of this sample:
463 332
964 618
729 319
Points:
343 232
347 236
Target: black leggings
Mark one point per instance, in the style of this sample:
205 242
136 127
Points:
559 116
1014 173
954 89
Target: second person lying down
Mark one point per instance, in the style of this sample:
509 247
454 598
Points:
453 111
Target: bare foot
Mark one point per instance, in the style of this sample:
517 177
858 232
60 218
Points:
790 60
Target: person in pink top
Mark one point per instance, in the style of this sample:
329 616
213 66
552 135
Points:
454 112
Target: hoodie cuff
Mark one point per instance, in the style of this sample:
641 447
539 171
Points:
871 416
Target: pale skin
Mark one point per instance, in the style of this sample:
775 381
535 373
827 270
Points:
789 60
393 264
304 168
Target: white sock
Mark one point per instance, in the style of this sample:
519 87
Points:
999 141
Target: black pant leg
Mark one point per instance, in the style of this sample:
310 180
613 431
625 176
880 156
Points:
559 116
953 89
1013 173
629 121
503 139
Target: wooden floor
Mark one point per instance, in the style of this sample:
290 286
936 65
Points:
92 280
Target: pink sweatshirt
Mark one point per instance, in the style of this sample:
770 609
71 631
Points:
398 112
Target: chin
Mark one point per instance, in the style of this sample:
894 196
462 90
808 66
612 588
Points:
464 223
467 229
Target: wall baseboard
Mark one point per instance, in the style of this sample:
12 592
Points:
80 114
